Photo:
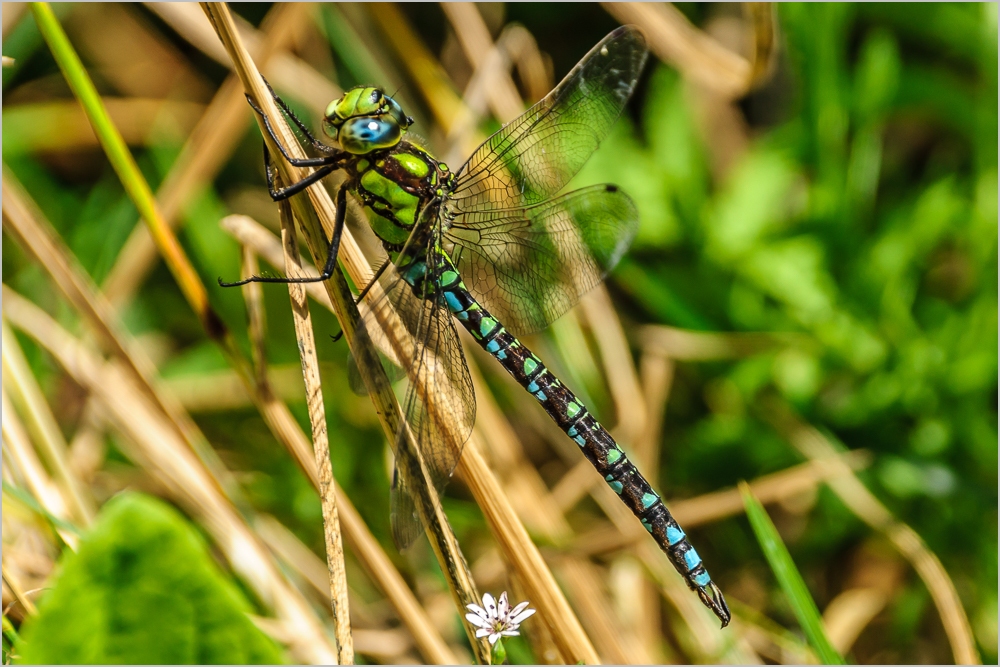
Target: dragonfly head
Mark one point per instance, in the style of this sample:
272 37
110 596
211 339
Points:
365 119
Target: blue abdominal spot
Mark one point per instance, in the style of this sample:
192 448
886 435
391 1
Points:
453 303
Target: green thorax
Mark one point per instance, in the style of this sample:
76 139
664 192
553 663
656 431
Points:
395 185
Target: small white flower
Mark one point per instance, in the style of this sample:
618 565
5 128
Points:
496 618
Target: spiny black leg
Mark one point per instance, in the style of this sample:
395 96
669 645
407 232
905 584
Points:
318 145
371 282
277 194
334 159
331 256
338 230
295 188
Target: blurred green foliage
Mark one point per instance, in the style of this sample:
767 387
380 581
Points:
142 589
862 213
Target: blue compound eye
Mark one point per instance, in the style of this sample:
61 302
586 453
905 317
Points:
396 112
363 135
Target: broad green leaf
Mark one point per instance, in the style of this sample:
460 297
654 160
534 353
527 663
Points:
142 589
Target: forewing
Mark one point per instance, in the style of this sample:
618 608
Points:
439 406
533 156
529 265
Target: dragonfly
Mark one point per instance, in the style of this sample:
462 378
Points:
494 247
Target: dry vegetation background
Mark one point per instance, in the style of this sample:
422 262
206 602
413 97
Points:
810 305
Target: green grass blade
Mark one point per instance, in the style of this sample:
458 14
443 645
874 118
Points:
789 578
123 162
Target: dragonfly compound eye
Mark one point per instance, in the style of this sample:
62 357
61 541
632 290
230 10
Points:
363 135
395 111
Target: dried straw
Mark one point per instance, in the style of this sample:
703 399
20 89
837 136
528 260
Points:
321 444
159 449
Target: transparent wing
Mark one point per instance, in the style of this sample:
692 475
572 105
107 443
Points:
439 407
535 155
529 265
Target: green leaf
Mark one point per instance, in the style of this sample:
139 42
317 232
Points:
142 589
789 578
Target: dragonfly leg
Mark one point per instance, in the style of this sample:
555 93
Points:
277 194
316 143
331 255
372 282
331 159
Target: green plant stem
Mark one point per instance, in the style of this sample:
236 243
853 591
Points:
125 166
789 578
137 188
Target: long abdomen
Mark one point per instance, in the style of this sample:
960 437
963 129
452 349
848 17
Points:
594 440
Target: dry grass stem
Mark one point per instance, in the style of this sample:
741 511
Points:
167 457
12 14
849 613
770 640
636 602
524 486
657 374
573 486
27 396
132 54
520 551
253 296
254 235
434 83
23 220
590 600
702 641
224 390
696 55
483 54
367 549
285 71
10 581
20 456
88 447
320 439
204 153
684 345
775 487
619 369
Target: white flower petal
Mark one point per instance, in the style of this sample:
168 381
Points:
478 621
502 606
517 610
523 615
494 638
482 632
479 611
490 605
510 633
